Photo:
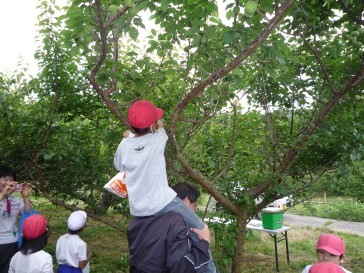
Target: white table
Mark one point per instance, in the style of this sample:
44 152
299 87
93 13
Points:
278 235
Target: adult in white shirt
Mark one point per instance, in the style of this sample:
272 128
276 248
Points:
10 208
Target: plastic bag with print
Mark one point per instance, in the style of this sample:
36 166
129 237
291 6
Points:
117 185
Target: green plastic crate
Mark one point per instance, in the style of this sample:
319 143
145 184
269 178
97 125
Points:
272 218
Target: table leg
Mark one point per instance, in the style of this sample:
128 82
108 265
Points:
287 250
276 251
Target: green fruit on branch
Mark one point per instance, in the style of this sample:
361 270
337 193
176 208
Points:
129 3
251 7
133 11
160 52
236 9
355 33
113 9
119 85
301 58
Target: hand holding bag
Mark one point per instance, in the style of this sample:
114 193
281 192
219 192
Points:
117 185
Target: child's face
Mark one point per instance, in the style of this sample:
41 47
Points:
324 256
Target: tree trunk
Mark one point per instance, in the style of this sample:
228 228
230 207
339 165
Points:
240 240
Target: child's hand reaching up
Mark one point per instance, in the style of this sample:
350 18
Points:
127 133
160 123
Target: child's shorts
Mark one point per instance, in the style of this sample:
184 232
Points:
64 268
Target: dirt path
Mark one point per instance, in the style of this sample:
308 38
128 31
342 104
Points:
342 226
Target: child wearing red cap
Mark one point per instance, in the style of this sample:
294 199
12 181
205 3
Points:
326 267
142 159
32 258
330 248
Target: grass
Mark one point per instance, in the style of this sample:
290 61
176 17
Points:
339 208
259 255
110 248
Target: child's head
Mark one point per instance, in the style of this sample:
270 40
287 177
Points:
35 234
330 248
142 114
76 221
326 267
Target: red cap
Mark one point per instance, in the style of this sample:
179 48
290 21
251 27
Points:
34 226
143 113
326 267
331 243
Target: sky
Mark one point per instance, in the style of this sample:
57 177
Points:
18 20
17 32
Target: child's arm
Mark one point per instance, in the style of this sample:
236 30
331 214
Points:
82 264
203 234
160 123
161 138
127 134
25 194
7 190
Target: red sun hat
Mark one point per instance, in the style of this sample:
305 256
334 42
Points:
326 267
143 114
331 243
34 226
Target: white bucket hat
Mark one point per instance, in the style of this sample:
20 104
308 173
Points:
77 220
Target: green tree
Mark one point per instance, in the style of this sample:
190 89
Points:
264 99
298 61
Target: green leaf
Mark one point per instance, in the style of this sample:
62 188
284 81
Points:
133 33
229 37
211 163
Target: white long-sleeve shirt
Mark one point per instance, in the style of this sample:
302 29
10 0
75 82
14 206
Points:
142 158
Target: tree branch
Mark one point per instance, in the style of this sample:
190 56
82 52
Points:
321 63
221 172
104 95
351 15
199 88
310 128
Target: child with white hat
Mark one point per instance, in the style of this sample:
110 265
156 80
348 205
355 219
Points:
71 250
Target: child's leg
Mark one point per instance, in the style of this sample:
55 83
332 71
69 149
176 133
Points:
189 216
191 220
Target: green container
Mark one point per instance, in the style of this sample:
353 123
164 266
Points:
272 218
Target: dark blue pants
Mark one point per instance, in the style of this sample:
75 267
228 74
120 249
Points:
7 251
64 268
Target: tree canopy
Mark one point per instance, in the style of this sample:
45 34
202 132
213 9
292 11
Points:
266 100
